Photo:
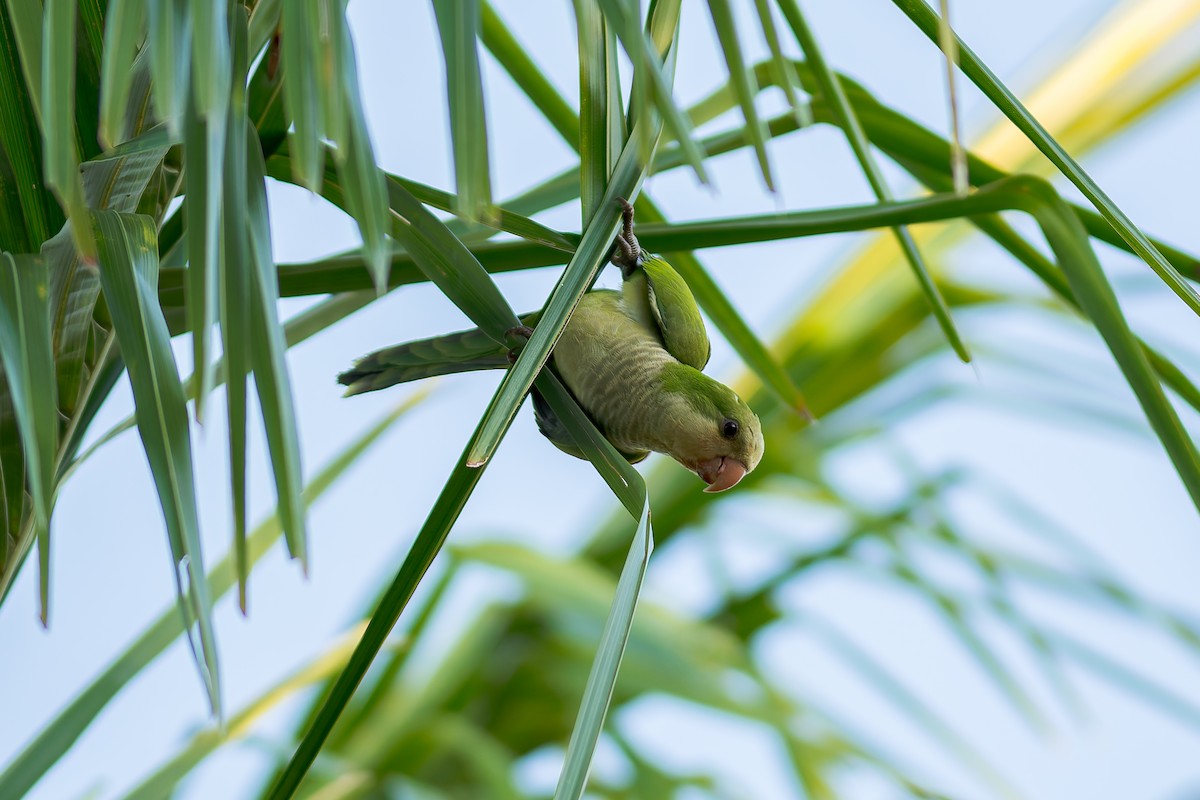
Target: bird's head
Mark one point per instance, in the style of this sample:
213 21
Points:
715 434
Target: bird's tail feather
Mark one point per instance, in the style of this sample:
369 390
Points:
440 355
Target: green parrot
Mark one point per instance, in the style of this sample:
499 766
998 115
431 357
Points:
632 361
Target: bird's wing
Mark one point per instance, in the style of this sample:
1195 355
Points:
673 311
553 429
439 355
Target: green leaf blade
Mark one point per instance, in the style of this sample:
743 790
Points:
268 351
58 119
591 132
831 86
56 739
128 273
123 26
204 151
649 66
929 23
28 365
234 295
744 87
458 23
300 47
447 262
366 194
170 59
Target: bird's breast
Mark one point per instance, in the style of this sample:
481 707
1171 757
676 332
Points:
612 365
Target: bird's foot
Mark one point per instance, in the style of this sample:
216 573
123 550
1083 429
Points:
517 337
627 253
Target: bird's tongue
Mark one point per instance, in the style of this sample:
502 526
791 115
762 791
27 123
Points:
720 473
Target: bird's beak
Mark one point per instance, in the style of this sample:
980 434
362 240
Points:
721 473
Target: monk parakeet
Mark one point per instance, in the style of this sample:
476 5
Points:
632 361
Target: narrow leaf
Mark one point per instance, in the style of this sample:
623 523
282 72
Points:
781 66
597 694
30 214
128 274
124 22
210 59
28 366
28 28
742 79
458 22
235 265
300 50
831 86
448 263
979 73
591 136
170 45
428 544
366 197
60 735
268 352
58 119
204 151
949 45
647 62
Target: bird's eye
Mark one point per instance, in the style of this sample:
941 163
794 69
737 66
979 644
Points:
729 429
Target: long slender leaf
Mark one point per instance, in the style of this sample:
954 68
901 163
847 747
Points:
58 119
162 781
124 23
128 274
366 196
448 263
648 65
1068 239
28 21
301 48
831 86
629 487
591 130
31 216
57 738
742 80
211 56
783 69
433 533
459 23
264 23
268 356
928 22
597 694
170 36
204 151
235 264
28 367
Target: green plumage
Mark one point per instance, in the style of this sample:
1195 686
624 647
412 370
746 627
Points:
632 361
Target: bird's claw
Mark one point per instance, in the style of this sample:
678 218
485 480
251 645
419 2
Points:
517 336
627 253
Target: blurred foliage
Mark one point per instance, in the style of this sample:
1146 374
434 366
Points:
202 101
